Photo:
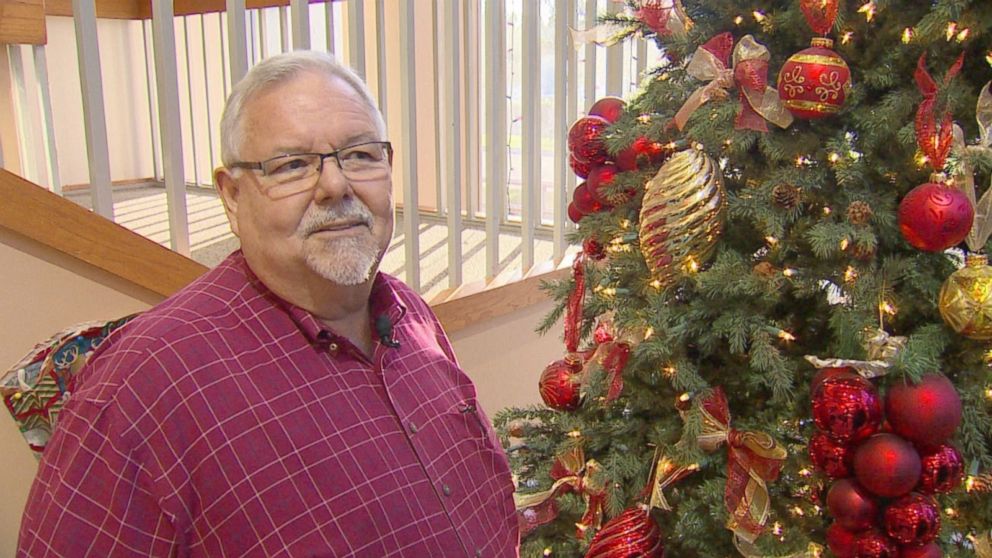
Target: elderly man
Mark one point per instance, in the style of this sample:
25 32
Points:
292 401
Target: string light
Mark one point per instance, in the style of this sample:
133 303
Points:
834 157
950 512
785 335
907 35
669 372
887 308
988 58
844 243
656 284
547 552
850 274
777 528
846 37
988 393
664 76
739 20
868 8
798 511
691 265
575 434
803 160
963 35
804 472
827 211
789 272
759 16
648 333
922 160
952 29
771 240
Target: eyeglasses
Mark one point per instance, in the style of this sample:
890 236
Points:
286 175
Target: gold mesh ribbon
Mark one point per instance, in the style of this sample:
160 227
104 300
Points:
882 349
572 473
964 178
983 545
753 459
664 474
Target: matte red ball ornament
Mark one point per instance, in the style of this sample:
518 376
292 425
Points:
584 201
934 217
874 544
929 550
585 139
580 168
632 533
846 407
600 180
559 384
814 82
943 469
852 507
574 214
913 519
834 459
887 465
840 541
927 413
610 108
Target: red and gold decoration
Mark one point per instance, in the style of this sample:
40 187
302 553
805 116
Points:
887 465
913 519
632 533
664 17
575 474
682 215
926 413
753 460
611 354
560 384
747 70
966 299
813 83
935 216
846 407
585 140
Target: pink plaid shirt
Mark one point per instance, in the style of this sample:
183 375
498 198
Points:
227 422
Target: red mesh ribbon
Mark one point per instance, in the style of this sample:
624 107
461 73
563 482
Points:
753 458
571 473
820 14
935 139
752 79
573 308
612 353
664 17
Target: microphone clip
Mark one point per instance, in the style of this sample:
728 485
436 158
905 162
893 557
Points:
384 329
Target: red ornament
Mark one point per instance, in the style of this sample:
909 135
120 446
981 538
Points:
585 139
934 217
847 407
814 82
824 373
574 214
840 541
913 519
600 180
832 458
641 153
610 108
632 533
887 465
559 384
593 249
583 200
927 413
873 544
852 507
581 169
943 470
929 550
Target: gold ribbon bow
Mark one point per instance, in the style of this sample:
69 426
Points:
748 71
753 459
572 472
964 178
664 474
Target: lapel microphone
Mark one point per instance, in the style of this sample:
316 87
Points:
384 329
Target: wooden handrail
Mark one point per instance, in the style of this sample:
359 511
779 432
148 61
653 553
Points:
142 9
36 213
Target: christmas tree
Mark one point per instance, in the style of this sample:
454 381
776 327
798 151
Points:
777 334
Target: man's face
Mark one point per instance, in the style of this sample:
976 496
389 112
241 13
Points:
337 231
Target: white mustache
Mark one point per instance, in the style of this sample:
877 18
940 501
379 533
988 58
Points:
349 209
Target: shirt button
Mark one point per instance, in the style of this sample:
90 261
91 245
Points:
332 348
412 427
478 552
446 490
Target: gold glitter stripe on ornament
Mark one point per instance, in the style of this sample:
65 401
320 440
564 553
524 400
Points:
818 59
811 105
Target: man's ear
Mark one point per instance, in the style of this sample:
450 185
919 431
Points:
230 190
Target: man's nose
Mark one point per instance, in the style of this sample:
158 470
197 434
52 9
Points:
331 182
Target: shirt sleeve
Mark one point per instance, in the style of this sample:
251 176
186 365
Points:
92 495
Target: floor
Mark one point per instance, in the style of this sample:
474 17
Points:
143 209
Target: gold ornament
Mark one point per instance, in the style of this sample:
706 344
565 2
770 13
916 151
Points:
966 299
682 215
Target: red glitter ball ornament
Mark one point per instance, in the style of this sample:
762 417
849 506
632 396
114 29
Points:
927 413
585 139
929 550
600 180
934 217
840 541
593 249
632 533
831 457
852 507
887 465
642 152
610 108
847 407
559 384
830 372
814 82
943 469
584 201
580 168
874 544
913 519
574 214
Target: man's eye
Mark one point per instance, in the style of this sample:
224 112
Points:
289 165
360 155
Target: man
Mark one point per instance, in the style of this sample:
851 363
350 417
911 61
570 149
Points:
292 401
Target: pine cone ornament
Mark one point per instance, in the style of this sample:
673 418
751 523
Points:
859 213
682 214
786 196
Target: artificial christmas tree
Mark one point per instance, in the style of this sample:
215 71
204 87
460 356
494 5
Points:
796 239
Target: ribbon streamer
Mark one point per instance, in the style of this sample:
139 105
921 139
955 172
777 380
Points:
665 17
820 14
572 473
749 72
753 459
612 353
573 308
964 178
934 139
664 474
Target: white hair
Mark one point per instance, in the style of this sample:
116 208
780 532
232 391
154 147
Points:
274 71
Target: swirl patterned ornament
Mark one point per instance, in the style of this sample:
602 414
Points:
632 533
682 215
966 299
813 83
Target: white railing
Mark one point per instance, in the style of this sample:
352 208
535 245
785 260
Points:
478 96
